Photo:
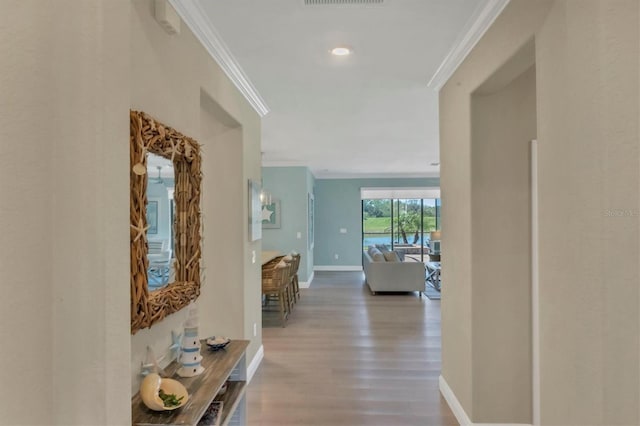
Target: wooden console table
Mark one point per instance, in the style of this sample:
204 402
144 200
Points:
222 365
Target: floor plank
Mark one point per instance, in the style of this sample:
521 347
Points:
347 357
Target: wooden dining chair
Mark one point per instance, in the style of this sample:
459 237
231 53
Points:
295 284
275 283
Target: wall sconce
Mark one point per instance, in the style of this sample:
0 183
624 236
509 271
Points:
265 197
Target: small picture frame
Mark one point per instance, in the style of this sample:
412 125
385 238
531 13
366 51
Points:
271 215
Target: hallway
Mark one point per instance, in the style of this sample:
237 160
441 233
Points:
349 358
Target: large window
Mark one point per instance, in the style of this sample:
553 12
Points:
404 224
376 222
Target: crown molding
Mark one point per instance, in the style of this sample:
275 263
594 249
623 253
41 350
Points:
196 19
477 25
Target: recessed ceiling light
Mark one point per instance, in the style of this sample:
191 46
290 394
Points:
341 51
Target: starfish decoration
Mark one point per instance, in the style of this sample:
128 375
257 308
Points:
141 230
266 214
175 145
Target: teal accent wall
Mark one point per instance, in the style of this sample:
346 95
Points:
338 206
292 186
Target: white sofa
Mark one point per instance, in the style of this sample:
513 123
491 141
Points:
389 273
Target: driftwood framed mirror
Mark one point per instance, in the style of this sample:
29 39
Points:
148 136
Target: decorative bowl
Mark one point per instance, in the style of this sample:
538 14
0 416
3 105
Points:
217 342
150 388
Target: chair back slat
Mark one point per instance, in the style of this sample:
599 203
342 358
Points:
274 278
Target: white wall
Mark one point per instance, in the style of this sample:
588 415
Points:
25 224
174 80
511 31
64 191
587 97
503 124
70 73
588 67
89 265
222 295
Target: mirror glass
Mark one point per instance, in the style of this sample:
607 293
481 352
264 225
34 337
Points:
160 220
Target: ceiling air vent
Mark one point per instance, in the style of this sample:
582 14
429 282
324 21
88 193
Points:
340 2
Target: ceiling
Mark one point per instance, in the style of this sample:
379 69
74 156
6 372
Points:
369 114
159 166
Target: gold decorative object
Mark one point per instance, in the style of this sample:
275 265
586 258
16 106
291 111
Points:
150 136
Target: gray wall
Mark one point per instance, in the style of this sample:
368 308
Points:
338 205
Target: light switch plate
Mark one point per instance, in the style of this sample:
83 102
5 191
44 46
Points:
343 230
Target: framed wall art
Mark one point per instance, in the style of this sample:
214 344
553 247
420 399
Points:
271 215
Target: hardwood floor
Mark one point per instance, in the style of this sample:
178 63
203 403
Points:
349 358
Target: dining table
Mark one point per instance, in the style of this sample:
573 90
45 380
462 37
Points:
268 255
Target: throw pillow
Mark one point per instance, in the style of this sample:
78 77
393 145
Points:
391 256
383 248
378 256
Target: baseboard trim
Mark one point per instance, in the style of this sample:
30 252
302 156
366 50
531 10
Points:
255 363
453 402
337 268
306 284
459 412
